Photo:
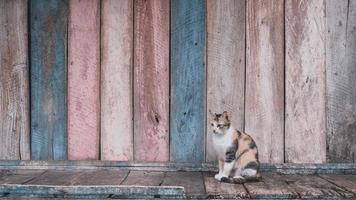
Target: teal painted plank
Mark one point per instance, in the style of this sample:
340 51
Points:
48 34
187 80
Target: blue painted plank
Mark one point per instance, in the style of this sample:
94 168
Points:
187 80
48 33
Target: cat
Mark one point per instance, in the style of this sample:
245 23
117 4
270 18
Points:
236 152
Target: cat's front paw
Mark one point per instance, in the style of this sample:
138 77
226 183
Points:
221 177
218 176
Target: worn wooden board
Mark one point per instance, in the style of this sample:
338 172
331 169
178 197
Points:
56 177
347 182
192 182
14 82
312 186
18 176
187 120
48 41
225 63
264 115
341 81
116 84
83 79
144 178
271 186
101 177
305 123
218 190
86 192
151 80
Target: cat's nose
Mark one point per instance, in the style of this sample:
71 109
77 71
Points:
214 131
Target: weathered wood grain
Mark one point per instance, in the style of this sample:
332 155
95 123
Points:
85 192
14 81
116 84
187 120
192 182
348 182
305 123
83 79
218 190
101 177
145 178
264 115
271 186
225 62
55 177
151 80
312 186
48 38
18 176
341 81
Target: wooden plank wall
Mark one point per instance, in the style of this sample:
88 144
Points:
14 81
264 115
151 80
116 80
305 131
83 79
341 81
48 60
225 62
143 74
187 122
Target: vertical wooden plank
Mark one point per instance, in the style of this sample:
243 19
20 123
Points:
116 84
265 78
187 80
48 79
14 81
305 123
83 79
341 80
225 62
151 80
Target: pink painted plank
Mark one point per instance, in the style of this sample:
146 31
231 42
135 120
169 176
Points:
305 118
116 84
151 80
225 63
264 116
83 80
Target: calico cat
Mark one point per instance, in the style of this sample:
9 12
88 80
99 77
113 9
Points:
236 152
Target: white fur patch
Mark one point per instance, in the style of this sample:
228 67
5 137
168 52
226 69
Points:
221 142
248 172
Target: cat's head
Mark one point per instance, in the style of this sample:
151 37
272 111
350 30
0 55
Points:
220 123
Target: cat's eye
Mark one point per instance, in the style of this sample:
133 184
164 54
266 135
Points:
212 124
220 125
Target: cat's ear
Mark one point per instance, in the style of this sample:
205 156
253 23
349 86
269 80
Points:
226 115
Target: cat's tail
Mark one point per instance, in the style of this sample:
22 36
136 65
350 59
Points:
242 180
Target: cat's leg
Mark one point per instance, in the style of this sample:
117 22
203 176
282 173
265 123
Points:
238 178
221 168
229 164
